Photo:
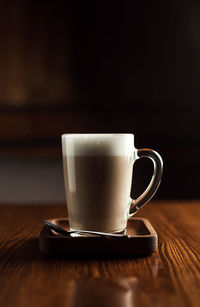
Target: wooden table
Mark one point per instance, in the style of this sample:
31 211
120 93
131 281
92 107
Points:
170 277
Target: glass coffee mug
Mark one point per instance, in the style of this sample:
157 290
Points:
98 178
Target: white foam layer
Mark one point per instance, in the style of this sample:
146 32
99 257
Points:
97 144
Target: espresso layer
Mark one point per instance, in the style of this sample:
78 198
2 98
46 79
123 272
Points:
98 191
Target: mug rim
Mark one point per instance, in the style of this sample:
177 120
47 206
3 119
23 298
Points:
97 134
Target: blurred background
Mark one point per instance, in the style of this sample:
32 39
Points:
98 66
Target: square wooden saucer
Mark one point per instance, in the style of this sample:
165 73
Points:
142 241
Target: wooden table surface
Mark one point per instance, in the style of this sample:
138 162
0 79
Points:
170 277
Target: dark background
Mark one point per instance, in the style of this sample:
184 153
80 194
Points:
98 66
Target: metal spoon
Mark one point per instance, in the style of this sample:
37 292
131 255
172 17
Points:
64 232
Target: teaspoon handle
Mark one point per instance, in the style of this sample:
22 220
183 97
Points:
57 228
62 231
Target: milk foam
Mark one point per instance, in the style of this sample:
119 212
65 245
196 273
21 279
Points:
98 144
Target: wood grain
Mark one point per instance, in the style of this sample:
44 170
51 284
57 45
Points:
170 277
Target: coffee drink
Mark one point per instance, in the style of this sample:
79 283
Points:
98 179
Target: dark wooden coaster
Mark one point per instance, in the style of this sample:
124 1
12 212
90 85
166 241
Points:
142 241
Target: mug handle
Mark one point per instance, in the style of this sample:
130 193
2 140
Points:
136 204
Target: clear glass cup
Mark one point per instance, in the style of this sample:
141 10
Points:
98 178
